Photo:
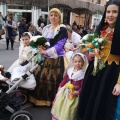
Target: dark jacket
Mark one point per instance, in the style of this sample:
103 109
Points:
39 22
22 28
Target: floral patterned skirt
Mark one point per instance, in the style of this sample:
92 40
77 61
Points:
48 77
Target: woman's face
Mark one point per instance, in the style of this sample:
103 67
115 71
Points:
54 18
112 14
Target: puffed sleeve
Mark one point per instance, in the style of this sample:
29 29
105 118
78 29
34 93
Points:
58 48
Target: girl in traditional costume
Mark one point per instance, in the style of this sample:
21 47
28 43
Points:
99 94
16 70
49 75
66 100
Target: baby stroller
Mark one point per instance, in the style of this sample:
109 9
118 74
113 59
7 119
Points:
10 101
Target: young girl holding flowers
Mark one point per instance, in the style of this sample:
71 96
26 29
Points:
66 100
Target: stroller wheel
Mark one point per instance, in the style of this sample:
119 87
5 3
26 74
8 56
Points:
21 115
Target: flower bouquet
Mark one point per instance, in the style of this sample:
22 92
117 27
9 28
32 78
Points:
39 42
94 43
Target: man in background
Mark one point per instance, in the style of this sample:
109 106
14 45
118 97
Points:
22 27
40 20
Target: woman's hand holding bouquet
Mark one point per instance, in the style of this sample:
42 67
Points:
93 43
40 43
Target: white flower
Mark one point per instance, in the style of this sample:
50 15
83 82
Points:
34 38
96 39
100 40
85 37
34 51
88 37
47 44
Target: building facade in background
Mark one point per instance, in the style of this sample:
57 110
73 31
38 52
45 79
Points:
84 12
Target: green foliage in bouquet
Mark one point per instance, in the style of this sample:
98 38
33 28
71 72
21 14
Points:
89 37
38 42
94 43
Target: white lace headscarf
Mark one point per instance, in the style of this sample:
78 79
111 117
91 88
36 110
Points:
71 62
84 59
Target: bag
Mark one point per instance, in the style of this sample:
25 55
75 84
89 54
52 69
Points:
2 32
14 33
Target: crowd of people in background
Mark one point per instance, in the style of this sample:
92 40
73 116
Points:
22 26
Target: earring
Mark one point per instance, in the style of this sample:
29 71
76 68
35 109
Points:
105 21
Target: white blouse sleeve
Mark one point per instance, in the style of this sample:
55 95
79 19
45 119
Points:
51 52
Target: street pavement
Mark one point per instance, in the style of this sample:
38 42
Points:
7 57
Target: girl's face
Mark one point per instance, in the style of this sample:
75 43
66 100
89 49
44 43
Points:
54 18
26 40
112 14
78 62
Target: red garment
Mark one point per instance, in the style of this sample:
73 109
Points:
103 33
77 84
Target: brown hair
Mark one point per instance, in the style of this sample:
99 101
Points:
25 35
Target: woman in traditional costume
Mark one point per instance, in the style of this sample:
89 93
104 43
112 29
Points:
99 95
49 75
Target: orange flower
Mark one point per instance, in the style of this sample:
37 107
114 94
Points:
42 47
90 45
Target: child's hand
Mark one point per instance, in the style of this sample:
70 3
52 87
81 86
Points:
116 90
75 93
1 67
5 79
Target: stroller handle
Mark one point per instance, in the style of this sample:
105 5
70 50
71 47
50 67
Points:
27 61
27 74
